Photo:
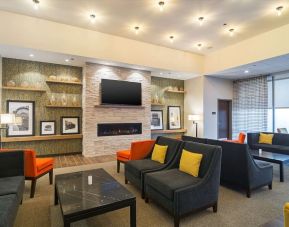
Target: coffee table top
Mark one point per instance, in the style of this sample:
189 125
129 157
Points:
76 195
270 156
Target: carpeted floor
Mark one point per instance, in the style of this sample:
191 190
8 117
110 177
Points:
234 208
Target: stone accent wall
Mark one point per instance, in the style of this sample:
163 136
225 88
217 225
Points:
94 145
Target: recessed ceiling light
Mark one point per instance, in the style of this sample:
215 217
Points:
161 5
199 46
232 31
31 55
201 20
36 4
246 71
136 29
171 38
161 73
92 18
279 10
67 60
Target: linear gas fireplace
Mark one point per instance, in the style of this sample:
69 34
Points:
116 129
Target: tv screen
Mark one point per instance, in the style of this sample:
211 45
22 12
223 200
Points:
120 92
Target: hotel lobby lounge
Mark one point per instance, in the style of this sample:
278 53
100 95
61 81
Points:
144 113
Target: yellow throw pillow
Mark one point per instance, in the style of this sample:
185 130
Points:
190 163
266 138
159 153
286 214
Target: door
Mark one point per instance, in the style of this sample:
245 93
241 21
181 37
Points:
224 119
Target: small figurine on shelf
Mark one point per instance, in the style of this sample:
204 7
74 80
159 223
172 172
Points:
157 100
52 99
52 77
64 99
11 83
74 101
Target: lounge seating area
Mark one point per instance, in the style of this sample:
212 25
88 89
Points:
144 113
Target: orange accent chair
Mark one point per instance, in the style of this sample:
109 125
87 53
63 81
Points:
35 168
138 150
241 138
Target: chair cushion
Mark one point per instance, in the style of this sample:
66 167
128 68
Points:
190 163
8 209
124 154
135 167
42 163
159 153
167 181
266 138
12 185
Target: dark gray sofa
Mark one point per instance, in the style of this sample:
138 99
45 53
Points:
11 185
280 143
135 169
181 193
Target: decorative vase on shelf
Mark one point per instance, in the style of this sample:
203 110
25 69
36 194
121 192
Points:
63 99
11 83
157 99
74 101
52 99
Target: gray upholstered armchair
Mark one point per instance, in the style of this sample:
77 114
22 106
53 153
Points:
135 169
181 193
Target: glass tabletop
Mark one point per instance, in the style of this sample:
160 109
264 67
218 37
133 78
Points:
89 189
270 155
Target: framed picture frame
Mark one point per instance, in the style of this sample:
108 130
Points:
157 120
47 128
69 125
174 117
26 111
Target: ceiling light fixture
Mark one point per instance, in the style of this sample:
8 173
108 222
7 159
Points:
172 38
232 32
199 45
67 60
31 55
246 71
161 5
36 4
279 10
201 20
92 18
136 30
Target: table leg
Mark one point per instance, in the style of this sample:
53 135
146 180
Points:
66 223
281 172
133 214
55 196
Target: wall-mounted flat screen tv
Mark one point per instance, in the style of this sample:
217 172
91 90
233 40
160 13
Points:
116 92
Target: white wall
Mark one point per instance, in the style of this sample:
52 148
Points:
194 103
0 83
214 89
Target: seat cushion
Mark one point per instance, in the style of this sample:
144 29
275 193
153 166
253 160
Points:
12 185
8 209
42 163
123 154
167 181
135 167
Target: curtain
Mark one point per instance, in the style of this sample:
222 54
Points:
250 105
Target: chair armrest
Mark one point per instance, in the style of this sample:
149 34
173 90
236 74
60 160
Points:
11 163
260 174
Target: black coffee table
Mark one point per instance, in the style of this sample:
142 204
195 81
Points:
79 200
276 158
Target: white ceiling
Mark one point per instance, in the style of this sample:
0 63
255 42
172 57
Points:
265 67
179 18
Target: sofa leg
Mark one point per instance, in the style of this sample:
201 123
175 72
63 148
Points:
142 195
248 193
176 221
33 186
117 166
270 186
147 200
125 181
21 201
215 208
51 176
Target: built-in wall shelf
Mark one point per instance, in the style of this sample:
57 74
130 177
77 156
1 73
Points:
24 89
169 131
157 104
57 106
174 91
119 106
40 138
63 82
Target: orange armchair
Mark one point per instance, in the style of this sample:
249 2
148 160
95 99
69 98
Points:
138 150
241 138
35 168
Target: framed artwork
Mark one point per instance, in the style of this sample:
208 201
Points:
47 128
157 120
69 125
174 117
24 110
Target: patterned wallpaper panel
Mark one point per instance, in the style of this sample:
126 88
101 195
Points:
36 73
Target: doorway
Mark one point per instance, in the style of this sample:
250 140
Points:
224 119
